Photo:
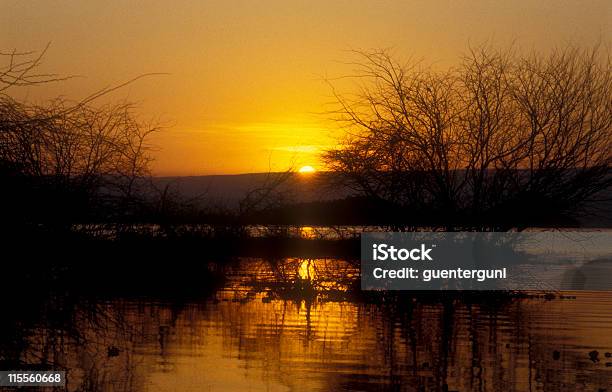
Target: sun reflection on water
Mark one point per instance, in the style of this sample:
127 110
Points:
307 232
307 270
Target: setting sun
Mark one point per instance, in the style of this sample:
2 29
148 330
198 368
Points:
307 169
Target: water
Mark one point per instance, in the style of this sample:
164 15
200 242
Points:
299 325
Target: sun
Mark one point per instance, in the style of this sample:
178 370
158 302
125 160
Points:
306 169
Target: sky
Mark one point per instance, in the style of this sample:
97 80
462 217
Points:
245 81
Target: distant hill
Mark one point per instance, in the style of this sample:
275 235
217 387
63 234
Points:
313 194
228 190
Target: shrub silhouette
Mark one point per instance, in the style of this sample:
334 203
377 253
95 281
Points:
500 140
64 161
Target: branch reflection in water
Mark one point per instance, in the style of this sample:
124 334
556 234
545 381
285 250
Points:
302 324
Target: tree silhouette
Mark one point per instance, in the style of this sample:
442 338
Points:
501 139
61 160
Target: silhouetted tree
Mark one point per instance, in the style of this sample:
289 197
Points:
272 193
500 139
63 160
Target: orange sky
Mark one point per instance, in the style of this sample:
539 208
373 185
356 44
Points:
245 90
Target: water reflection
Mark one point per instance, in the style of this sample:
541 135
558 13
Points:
300 325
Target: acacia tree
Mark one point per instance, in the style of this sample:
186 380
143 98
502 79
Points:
66 158
501 138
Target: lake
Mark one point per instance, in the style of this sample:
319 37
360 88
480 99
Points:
301 325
